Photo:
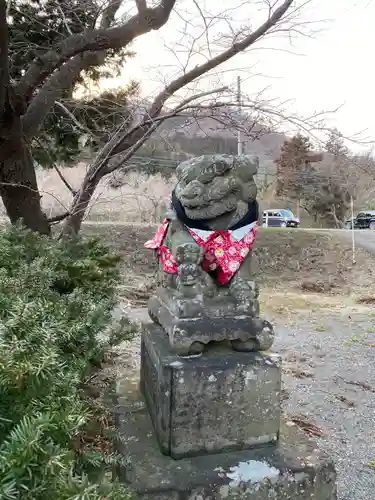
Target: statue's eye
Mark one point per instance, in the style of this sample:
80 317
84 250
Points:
207 175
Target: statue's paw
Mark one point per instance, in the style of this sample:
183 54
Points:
262 340
195 349
265 335
188 253
250 345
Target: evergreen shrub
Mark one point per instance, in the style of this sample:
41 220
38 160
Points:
56 299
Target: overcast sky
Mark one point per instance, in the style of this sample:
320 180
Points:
333 68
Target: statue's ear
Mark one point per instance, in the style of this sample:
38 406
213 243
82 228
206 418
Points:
181 169
246 167
222 163
249 191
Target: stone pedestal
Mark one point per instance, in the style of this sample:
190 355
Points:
292 469
208 428
186 322
220 401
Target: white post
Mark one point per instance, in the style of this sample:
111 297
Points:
266 219
353 238
239 132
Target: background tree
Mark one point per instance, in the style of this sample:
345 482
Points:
339 181
334 185
74 125
335 145
41 65
327 187
327 197
35 27
67 54
293 168
321 183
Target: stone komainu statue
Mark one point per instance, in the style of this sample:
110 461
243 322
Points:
204 246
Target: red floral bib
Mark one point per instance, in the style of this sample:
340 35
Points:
224 251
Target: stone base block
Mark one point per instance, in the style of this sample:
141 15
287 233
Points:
186 323
221 303
293 469
220 401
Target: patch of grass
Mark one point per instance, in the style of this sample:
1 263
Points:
281 304
291 301
296 255
283 259
356 339
321 328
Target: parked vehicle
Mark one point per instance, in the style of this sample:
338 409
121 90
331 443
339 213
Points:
363 220
280 218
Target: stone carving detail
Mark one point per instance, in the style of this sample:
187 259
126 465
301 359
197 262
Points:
204 247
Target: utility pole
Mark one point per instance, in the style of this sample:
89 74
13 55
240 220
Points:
239 108
352 227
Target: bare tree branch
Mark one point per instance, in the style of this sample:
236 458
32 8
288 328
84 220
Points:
131 140
94 41
141 5
64 19
234 49
145 129
79 125
186 78
60 174
109 13
100 167
58 171
58 218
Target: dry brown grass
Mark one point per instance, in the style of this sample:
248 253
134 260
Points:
137 201
310 265
283 260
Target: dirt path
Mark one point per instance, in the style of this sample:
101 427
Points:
329 382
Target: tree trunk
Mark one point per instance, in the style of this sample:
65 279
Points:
339 224
298 209
18 184
79 207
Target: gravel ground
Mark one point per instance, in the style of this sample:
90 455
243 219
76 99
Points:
323 391
329 381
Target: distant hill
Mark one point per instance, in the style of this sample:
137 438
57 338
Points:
191 136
